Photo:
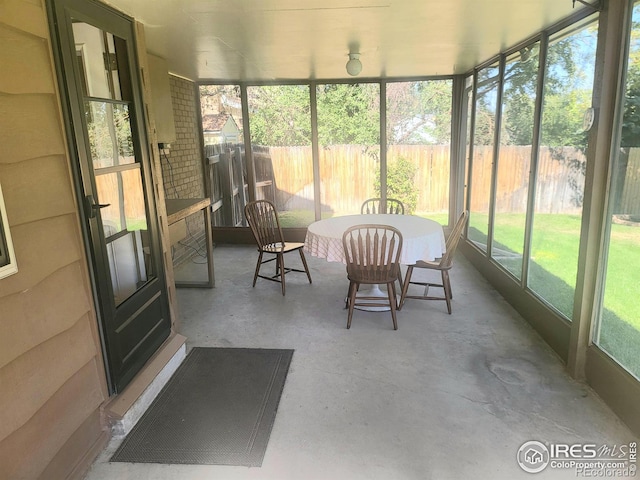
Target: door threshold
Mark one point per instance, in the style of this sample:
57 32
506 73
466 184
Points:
123 411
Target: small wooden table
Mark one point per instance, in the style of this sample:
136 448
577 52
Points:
181 208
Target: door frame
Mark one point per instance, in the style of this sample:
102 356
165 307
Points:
68 83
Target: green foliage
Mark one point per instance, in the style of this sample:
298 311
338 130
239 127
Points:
109 133
486 105
419 112
401 185
280 115
562 119
631 118
518 97
348 114
567 94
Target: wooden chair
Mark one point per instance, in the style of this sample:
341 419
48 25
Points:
377 205
265 226
372 254
444 264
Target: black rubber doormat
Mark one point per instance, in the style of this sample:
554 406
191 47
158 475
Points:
217 409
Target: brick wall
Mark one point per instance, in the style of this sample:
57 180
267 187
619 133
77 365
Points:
182 164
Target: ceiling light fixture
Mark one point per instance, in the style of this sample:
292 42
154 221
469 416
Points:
354 66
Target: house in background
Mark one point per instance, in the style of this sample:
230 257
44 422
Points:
220 128
67 380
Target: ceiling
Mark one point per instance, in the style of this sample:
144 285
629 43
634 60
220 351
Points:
266 40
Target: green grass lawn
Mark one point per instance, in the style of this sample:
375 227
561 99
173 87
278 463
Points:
553 270
299 218
552 273
555 246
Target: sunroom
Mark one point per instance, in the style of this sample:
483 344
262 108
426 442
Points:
523 115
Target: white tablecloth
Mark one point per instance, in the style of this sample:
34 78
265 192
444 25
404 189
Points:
422 239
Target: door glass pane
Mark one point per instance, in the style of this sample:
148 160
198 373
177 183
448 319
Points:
126 232
110 139
349 146
119 186
482 162
618 329
122 192
97 54
555 239
514 158
419 146
280 123
128 263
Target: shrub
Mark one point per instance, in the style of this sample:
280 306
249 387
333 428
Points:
401 175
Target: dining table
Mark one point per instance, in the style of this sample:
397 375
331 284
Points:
422 239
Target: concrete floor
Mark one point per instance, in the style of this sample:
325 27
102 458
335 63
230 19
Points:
444 397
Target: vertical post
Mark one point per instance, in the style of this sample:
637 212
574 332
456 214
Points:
251 172
535 158
242 195
227 187
457 148
314 151
496 156
156 169
209 240
609 88
383 145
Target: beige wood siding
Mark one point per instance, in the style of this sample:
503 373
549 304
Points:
51 375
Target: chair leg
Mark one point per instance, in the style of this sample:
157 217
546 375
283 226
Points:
392 303
304 262
447 289
255 277
352 300
346 300
400 277
405 286
280 262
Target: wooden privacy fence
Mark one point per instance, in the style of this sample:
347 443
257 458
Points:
226 171
228 187
348 175
630 201
559 185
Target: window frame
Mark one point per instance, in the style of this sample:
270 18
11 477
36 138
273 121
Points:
8 264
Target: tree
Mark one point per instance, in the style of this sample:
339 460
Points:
567 93
280 115
348 114
109 132
419 112
630 135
